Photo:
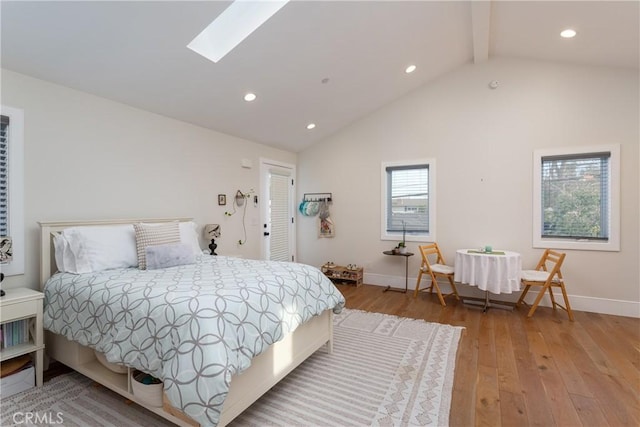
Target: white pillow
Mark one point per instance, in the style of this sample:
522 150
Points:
65 260
86 249
97 248
189 236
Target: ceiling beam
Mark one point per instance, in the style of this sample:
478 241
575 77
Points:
481 26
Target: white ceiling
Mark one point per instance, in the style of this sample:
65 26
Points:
135 53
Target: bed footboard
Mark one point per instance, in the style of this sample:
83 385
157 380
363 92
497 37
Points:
265 371
275 363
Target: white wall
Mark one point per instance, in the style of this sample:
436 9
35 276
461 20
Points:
483 141
90 158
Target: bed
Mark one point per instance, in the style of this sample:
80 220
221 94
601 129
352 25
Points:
219 332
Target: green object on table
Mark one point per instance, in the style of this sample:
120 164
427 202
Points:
471 251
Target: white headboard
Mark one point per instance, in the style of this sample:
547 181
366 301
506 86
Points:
49 229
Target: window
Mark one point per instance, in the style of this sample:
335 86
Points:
11 187
576 198
408 202
4 176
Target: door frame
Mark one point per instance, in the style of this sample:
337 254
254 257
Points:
265 165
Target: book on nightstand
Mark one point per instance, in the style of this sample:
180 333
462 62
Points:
14 333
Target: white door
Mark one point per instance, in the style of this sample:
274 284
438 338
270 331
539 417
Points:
277 182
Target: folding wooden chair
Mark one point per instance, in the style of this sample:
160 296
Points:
547 275
435 270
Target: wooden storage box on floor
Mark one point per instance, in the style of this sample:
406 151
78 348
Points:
340 274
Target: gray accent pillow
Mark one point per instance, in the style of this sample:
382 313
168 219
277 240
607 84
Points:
169 255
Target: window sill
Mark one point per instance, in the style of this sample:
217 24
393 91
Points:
409 238
579 245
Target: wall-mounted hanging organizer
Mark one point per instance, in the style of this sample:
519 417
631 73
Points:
318 204
317 197
313 203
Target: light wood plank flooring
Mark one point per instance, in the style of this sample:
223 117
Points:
514 371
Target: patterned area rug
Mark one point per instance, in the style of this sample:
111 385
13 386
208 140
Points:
384 370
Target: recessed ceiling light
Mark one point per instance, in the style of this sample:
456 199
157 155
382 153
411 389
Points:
311 126
568 33
232 26
250 97
410 69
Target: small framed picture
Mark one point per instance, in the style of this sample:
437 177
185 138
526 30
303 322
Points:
222 199
327 228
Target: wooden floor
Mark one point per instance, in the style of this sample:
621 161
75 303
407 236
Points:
514 371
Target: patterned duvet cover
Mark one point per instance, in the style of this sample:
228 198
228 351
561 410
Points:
193 326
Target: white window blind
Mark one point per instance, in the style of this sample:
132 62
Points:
280 217
12 188
4 176
575 196
408 199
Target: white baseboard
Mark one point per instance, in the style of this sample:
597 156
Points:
385 280
592 305
578 302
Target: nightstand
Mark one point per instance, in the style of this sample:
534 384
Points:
18 304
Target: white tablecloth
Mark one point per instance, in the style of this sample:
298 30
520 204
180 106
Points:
498 274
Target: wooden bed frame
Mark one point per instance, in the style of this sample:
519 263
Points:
265 371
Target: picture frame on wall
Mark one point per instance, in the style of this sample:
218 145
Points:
6 249
326 228
222 199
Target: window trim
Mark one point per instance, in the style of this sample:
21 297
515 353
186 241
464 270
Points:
397 236
613 242
16 189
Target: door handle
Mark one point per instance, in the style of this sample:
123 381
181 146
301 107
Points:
266 233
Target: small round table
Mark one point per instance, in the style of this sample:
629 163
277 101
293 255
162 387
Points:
497 272
406 256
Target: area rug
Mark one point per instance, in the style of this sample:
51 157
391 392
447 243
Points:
384 370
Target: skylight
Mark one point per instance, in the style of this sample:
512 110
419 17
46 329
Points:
232 26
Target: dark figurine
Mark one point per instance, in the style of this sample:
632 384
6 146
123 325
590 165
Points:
212 231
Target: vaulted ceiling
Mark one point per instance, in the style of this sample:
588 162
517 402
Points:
326 62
